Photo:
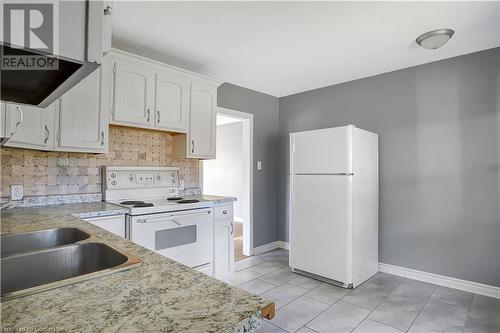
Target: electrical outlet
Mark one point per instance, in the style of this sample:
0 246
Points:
259 165
16 192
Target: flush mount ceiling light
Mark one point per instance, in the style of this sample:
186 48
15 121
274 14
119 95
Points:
435 39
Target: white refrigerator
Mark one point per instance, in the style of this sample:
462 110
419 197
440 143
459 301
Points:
334 204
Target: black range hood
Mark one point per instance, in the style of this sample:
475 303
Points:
32 86
37 86
38 77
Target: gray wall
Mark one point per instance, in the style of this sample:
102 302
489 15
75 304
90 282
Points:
265 149
439 131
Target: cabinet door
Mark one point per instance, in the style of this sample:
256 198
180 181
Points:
133 93
114 224
4 129
223 248
82 123
171 102
33 127
202 118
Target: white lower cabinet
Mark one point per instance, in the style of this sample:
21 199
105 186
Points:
114 223
223 241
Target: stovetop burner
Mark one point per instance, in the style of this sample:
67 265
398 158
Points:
143 204
174 198
132 202
185 201
137 204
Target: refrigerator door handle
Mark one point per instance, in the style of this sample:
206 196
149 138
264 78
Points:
292 191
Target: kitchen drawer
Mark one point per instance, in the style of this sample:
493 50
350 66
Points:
223 212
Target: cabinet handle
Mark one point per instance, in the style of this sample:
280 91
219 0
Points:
108 10
102 138
192 146
149 116
21 116
47 134
224 212
232 228
158 112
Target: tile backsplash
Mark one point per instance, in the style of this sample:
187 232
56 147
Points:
60 173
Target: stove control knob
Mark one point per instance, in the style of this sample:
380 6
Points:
113 182
173 181
113 175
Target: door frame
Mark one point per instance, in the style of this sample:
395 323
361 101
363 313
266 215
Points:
247 119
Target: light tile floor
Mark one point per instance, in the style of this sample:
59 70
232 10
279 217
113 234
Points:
383 304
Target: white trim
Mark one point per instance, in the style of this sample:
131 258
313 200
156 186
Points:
238 219
284 245
213 81
247 127
265 248
441 280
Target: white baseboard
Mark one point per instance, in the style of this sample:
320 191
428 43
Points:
441 280
265 248
271 246
284 245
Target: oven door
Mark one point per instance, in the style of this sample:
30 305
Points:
184 236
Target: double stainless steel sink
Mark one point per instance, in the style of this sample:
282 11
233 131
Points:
36 261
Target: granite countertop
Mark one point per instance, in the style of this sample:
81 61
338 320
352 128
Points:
159 295
215 199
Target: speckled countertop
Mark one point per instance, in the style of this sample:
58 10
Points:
159 295
213 198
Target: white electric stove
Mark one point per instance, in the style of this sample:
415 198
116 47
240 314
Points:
158 218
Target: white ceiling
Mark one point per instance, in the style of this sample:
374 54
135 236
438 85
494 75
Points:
282 48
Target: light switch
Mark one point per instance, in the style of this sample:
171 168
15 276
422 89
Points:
259 165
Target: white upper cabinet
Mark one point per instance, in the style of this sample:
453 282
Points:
171 102
76 122
133 93
82 123
202 121
139 92
33 126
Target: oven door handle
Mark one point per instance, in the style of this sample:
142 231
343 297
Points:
176 217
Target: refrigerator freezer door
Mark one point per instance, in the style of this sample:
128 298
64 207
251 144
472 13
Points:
320 239
323 151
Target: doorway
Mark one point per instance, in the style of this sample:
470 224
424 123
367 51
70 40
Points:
231 174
